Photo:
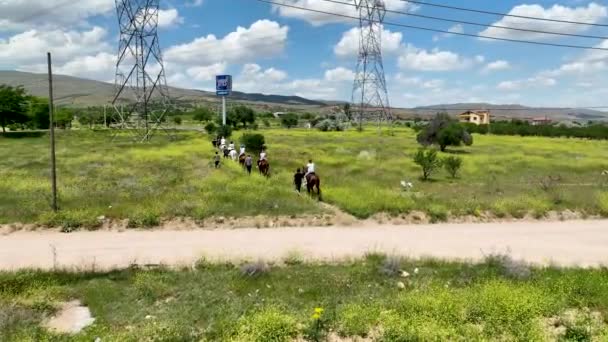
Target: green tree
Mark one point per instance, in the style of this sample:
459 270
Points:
428 161
253 142
224 131
63 117
202 114
452 165
444 131
347 111
289 120
39 113
13 106
210 128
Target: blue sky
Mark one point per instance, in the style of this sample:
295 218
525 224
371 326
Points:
270 50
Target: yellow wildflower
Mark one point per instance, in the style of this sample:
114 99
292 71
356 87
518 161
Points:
319 310
316 316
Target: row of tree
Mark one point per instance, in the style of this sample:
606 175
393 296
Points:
523 128
18 110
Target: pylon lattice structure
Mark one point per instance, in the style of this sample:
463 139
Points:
370 97
141 99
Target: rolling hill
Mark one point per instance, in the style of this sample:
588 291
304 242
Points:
83 92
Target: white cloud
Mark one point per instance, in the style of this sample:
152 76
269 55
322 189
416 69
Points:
458 28
318 19
18 15
206 73
532 82
31 46
414 58
169 18
339 74
264 38
348 46
497 66
254 72
593 13
194 3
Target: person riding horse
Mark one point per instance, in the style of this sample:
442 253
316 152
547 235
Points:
312 180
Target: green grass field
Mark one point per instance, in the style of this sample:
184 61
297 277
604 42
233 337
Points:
360 172
499 300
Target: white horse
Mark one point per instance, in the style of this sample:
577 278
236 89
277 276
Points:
232 155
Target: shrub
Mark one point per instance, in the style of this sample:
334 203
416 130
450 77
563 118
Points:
177 120
202 114
401 329
253 142
428 161
211 128
602 202
452 165
508 266
325 125
269 325
444 131
289 120
357 319
255 269
266 123
224 131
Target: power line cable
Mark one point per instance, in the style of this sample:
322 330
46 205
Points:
503 14
479 24
439 30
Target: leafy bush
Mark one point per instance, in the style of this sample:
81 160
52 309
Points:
523 128
401 329
255 269
602 202
266 123
203 114
269 325
224 131
444 131
428 161
452 165
357 319
289 120
329 125
253 142
177 120
22 134
211 128
508 266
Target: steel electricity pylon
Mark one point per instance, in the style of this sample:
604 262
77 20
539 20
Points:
141 99
370 97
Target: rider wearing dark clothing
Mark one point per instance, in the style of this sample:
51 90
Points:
248 163
297 180
217 159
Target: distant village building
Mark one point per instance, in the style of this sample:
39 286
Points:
541 121
477 117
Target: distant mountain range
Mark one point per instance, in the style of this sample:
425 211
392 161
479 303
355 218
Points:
75 91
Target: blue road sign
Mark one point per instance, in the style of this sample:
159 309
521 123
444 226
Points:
223 85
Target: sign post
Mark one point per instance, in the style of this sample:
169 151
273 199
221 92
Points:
223 87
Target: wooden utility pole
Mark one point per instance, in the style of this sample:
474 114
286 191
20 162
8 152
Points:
52 134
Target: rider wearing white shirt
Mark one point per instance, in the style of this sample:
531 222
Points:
310 168
223 141
231 146
242 150
263 155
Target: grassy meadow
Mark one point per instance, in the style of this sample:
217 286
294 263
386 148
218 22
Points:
498 300
360 174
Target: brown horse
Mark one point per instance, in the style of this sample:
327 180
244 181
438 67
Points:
242 158
264 167
313 181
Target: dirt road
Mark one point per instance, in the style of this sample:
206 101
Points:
583 243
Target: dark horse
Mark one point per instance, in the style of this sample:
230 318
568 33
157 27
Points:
313 181
264 167
226 152
242 160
